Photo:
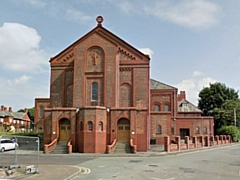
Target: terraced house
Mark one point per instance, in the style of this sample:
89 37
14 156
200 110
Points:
11 121
101 94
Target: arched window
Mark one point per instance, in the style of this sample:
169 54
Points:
100 126
90 126
41 112
166 107
156 107
204 130
94 91
159 129
81 126
197 130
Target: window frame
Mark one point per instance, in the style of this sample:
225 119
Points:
94 91
90 126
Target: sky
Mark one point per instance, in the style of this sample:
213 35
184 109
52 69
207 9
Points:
191 42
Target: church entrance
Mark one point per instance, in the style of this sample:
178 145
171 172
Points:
64 126
123 133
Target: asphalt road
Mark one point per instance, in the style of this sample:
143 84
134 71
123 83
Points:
213 164
221 163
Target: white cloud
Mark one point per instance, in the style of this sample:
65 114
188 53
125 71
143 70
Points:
20 81
78 16
193 86
147 51
197 73
126 7
191 14
36 3
19 48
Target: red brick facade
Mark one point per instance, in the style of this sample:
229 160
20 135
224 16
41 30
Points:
100 91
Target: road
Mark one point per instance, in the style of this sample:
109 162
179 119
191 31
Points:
214 164
221 163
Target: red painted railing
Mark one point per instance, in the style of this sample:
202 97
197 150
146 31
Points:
49 147
111 147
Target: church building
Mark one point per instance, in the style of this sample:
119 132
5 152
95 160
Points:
101 92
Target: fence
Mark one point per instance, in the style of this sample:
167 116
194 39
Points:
195 142
23 156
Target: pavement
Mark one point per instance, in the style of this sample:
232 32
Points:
66 172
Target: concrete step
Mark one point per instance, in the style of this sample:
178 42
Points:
122 148
61 148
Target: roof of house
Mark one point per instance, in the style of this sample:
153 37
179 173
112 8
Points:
159 85
103 32
15 115
186 106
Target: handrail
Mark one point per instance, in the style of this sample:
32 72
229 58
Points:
111 147
49 147
69 145
133 147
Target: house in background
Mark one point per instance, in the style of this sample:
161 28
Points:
172 115
101 92
20 121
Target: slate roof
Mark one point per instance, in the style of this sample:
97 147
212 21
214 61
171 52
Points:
158 85
186 106
15 115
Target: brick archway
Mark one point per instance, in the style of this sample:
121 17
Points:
64 129
123 133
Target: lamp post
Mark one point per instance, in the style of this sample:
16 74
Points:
210 126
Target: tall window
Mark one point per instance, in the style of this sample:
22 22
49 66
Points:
159 129
41 112
100 126
90 126
156 107
204 130
197 130
94 91
166 107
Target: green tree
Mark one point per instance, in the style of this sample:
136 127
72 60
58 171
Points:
230 130
30 113
221 101
215 96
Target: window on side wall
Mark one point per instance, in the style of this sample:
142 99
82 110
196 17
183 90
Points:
159 129
197 130
90 126
41 112
100 126
204 130
156 107
166 107
94 91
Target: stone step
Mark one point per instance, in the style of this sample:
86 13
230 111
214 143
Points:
122 148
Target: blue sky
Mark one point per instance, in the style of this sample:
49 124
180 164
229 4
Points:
191 42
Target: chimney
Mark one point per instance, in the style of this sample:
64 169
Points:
25 110
10 109
2 108
181 96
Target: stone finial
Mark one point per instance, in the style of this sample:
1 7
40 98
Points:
99 20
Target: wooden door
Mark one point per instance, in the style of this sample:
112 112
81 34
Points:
64 130
123 130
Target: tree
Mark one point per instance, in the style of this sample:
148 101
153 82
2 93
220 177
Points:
215 96
30 113
221 101
225 116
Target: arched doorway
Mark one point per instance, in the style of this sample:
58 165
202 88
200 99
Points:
123 133
64 126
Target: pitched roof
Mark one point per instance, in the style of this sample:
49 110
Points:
186 106
108 35
158 85
15 115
